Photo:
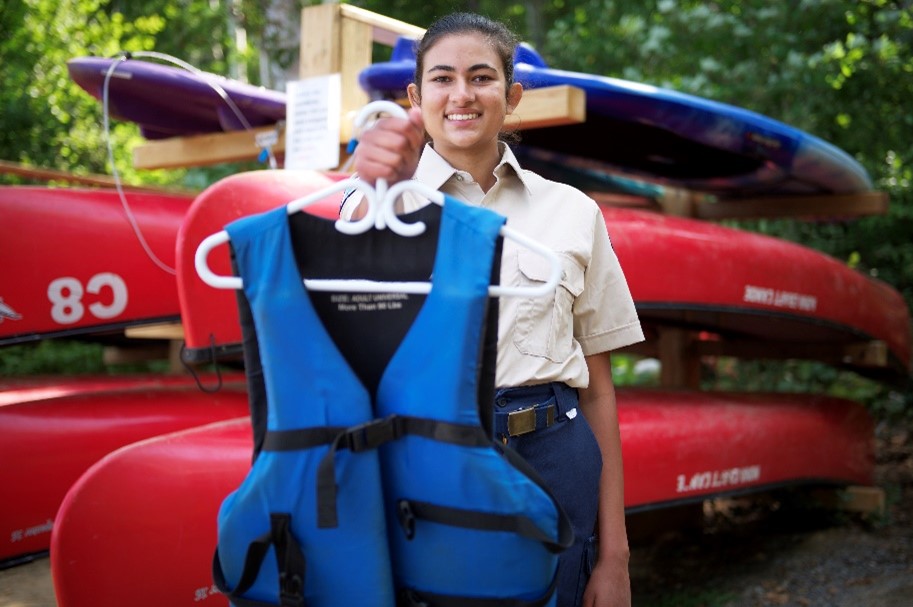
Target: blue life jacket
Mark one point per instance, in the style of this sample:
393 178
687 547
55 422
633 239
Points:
393 498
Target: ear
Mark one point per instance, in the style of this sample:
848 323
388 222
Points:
415 98
514 96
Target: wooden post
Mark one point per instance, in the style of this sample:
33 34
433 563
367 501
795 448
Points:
338 38
330 45
681 366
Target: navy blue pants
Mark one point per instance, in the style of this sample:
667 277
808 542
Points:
563 450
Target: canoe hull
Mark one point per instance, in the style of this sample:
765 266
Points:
97 277
748 286
118 526
55 429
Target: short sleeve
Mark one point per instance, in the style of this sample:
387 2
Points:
604 314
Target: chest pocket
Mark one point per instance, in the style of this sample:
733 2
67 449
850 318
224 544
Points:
545 325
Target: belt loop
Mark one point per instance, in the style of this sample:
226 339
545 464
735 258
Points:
566 398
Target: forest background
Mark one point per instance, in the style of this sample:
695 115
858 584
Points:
839 69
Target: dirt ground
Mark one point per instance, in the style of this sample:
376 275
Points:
784 551
777 551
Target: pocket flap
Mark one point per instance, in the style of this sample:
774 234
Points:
537 268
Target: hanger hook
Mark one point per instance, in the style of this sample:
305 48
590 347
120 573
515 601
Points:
383 218
378 107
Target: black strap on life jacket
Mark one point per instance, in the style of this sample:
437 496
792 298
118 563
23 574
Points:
415 598
372 435
290 559
409 510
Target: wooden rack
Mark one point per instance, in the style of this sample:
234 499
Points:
338 38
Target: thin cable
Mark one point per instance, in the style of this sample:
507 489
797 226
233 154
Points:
117 184
206 77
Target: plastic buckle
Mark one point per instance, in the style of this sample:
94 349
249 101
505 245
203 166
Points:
373 434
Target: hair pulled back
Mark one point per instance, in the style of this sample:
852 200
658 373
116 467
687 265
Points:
502 40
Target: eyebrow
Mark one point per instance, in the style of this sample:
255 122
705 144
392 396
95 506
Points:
472 68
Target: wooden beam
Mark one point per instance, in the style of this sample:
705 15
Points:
202 150
542 107
384 30
170 330
864 354
861 499
825 205
549 106
103 181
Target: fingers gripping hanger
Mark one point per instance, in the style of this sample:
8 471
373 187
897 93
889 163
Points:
380 214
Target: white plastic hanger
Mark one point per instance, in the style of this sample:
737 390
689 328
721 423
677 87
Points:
380 214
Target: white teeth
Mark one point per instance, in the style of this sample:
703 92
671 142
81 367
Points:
462 116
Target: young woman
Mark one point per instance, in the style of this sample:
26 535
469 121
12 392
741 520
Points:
553 353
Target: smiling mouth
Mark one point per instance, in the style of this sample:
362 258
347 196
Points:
456 117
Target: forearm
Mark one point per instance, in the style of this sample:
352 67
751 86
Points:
598 405
610 584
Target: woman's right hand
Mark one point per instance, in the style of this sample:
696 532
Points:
390 149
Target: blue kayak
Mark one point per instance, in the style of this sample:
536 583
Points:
659 134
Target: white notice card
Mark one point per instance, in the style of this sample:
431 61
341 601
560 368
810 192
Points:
312 123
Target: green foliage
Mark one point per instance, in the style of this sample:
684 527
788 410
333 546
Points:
840 69
65 357
886 401
49 121
629 371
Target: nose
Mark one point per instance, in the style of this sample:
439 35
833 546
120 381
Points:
462 92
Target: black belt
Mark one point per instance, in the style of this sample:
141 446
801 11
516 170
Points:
536 408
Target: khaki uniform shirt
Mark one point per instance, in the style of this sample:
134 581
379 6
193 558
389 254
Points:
544 339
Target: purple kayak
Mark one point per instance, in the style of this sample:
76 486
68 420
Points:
167 101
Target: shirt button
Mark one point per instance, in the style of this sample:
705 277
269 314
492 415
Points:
459 178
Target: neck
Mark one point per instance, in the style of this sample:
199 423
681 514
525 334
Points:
480 164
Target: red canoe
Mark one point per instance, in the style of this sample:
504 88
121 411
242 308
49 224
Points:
54 429
210 316
75 265
749 286
160 497
742 286
144 517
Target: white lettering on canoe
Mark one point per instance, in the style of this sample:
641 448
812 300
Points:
717 479
204 592
779 299
17 535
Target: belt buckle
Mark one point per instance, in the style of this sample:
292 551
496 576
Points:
522 421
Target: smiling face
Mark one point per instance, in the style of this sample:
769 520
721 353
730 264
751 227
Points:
464 97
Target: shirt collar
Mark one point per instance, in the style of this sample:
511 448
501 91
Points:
434 171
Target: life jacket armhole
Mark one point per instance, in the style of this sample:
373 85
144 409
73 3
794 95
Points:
290 558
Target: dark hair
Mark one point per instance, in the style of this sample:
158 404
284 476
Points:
501 38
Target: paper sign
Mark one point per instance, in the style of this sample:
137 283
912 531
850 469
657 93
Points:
312 125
